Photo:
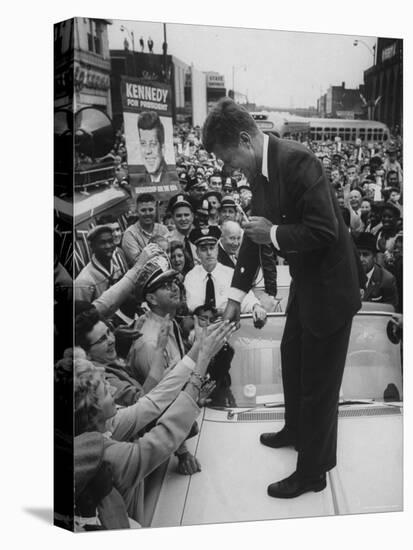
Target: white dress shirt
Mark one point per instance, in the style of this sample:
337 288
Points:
235 293
195 286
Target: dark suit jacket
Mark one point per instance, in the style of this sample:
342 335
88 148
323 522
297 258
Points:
381 288
223 257
311 235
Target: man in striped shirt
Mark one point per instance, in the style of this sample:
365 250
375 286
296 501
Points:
103 270
138 235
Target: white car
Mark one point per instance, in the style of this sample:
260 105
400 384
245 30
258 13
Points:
236 468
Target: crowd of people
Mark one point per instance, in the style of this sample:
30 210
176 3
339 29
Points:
150 348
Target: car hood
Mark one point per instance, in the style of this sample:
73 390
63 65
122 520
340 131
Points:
236 470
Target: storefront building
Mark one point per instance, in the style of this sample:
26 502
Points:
384 84
82 64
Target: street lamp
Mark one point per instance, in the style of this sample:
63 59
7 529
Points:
131 36
371 50
234 68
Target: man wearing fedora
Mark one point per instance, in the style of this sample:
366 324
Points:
381 285
295 210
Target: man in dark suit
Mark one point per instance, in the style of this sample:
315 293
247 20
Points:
229 243
295 210
381 284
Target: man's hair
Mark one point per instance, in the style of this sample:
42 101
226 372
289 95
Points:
145 197
392 208
150 120
362 193
215 174
84 323
225 123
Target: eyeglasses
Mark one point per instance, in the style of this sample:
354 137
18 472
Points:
103 338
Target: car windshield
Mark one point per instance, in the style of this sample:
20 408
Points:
372 372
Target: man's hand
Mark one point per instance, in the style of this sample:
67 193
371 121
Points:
150 250
232 312
259 316
126 335
212 341
258 230
188 464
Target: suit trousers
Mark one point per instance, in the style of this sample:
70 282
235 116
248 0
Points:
312 371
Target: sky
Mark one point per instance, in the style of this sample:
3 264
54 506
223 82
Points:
273 68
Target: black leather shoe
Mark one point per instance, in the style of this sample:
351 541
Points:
294 486
276 440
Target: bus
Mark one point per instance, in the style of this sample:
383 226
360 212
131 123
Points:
285 125
367 131
282 125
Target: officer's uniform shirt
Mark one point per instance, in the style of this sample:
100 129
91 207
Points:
195 286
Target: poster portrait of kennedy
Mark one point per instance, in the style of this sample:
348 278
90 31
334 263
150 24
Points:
152 142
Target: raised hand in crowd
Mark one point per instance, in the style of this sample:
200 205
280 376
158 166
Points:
125 335
150 250
232 312
158 370
208 341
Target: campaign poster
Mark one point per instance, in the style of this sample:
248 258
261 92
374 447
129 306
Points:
147 115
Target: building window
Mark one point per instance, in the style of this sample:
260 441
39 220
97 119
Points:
58 38
94 37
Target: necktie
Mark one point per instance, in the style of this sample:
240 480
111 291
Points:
178 338
189 253
210 292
